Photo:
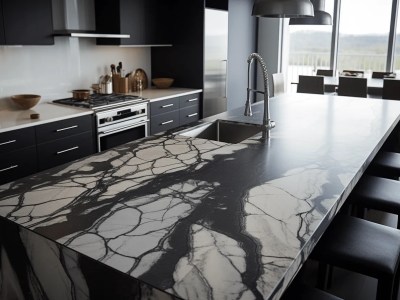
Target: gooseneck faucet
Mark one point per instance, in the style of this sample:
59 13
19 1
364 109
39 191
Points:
267 123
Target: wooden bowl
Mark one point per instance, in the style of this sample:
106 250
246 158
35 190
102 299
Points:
163 83
26 101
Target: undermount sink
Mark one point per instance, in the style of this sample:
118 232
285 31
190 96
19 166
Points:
222 131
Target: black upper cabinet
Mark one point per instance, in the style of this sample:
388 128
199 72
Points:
2 34
144 20
26 22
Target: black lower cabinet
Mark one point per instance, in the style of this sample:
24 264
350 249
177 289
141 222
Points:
37 148
64 150
17 164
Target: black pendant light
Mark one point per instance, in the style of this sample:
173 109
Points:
283 8
321 17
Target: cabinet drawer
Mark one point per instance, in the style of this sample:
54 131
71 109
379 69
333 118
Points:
17 164
17 139
188 115
64 150
164 106
189 100
62 129
164 122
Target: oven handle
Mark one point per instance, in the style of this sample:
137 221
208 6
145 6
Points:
107 132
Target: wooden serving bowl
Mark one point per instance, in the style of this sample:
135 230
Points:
26 101
163 83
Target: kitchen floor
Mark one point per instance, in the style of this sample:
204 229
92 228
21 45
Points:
349 285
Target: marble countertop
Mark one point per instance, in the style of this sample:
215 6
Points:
11 119
155 94
201 219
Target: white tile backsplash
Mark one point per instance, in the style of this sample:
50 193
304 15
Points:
53 71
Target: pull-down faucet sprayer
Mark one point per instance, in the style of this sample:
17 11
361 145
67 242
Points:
267 123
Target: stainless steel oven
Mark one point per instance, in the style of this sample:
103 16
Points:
121 125
120 118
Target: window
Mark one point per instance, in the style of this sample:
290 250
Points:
310 47
396 66
364 35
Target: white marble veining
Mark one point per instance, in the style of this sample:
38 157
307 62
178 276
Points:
208 220
11 119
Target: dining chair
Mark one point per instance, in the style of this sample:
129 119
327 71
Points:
328 88
352 86
353 73
323 72
381 75
311 84
391 89
278 82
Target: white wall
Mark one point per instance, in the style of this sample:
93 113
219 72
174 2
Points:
269 47
71 63
241 43
53 71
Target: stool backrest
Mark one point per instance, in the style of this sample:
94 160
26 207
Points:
278 81
354 73
381 75
352 86
311 84
322 72
391 89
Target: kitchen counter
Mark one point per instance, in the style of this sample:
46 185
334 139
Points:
17 119
200 219
155 94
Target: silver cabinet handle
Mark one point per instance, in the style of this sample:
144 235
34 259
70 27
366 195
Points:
67 128
9 142
192 115
167 105
9 168
67 150
192 100
167 122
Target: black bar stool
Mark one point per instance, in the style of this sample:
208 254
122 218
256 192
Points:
363 247
377 193
299 291
386 164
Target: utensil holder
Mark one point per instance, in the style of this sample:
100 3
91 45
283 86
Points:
123 85
115 82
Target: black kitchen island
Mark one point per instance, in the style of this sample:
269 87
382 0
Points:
173 216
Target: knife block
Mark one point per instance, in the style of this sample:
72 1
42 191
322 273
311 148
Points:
115 82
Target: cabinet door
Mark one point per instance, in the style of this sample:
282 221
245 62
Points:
28 22
64 128
164 106
64 150
17 164
164 122
2 34
145 20
188 115
17 139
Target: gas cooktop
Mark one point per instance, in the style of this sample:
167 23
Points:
100 101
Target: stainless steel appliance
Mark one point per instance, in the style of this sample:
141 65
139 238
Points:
215 62
119 118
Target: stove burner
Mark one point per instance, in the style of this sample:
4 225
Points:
97 101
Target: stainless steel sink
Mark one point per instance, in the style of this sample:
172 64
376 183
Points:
222 131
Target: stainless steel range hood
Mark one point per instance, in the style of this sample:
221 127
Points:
75 18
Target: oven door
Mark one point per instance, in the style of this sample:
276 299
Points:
121 133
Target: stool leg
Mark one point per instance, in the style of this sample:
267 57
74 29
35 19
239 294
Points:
322 276
385 289
398 221
396 284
